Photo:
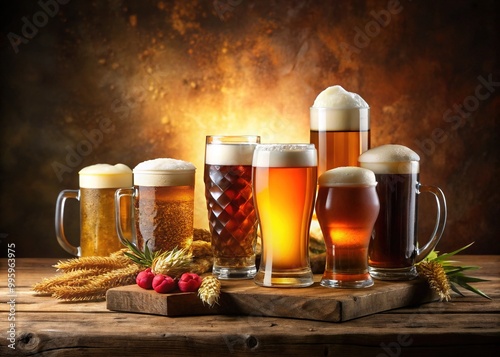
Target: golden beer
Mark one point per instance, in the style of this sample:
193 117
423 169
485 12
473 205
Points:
98 231
164 217
163 196
284 184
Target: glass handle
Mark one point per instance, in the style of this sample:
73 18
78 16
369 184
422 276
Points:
59 221
122 192
441 215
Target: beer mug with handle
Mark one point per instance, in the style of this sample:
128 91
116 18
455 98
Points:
98 184
393 250
163 204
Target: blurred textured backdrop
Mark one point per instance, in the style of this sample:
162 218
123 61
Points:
163 74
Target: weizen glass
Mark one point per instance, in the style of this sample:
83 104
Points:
231 213
163 201
393 250
98 236
339 128
347 207
284 186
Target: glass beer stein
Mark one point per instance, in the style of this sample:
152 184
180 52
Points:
284 186
393 250
231 213
163 204
98 236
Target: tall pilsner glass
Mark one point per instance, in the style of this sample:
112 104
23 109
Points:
231 213
284 184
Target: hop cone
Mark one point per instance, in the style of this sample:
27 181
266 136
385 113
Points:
209 290
436 277
172 263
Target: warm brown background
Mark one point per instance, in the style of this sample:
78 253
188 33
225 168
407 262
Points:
167 73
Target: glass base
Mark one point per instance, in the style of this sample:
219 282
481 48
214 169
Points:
408 273
225 273
349 280
347 284
284 279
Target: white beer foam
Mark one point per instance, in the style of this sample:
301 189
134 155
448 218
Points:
347 176
285 155
390 159
164 172
338 98
336 109
229 154
105 176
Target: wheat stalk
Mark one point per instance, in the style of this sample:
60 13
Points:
95 288
114 261
209 291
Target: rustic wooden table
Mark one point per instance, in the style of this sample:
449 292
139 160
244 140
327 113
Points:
35 325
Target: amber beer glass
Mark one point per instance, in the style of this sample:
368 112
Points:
163 201
394 249
284 186
231 213
98 184
347 207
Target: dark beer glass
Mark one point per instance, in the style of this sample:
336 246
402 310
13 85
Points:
231 213
347 207
393 250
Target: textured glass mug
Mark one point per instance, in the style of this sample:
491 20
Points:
98 184
229 198
393 250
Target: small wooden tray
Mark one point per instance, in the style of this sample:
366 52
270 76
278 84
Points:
243 297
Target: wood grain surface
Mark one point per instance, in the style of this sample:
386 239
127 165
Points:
243 297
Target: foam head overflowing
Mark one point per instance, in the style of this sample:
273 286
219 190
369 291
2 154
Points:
105 176
336 109
347 176
338 98
164 172
285 155
229 154
390 159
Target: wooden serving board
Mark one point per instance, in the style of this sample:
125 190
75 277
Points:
243 297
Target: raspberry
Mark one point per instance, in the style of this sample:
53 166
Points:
189 282
163 284
145 279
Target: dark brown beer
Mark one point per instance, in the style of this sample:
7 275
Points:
393 244
231 212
